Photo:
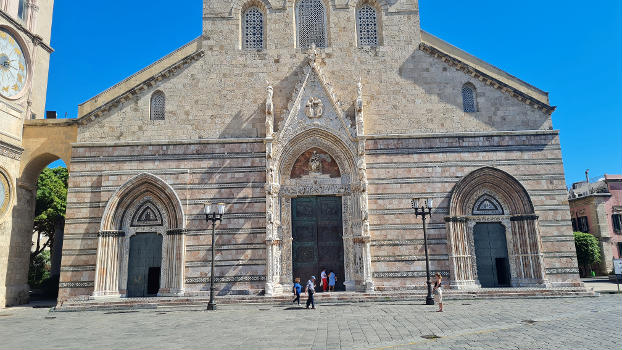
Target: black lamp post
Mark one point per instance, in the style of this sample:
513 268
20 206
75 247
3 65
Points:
213 213
424 210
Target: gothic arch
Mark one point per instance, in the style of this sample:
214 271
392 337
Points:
516 215
324 140
506 189
136 187
120 221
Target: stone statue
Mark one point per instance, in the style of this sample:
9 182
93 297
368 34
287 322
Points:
359 109
269 112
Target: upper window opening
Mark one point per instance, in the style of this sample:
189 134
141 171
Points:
367 22
20 9
158 104
469 98
252 29
311 23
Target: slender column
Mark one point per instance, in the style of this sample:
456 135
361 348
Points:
460 255
173 274
107 270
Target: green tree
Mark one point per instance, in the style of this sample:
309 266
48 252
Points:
588 251
50 207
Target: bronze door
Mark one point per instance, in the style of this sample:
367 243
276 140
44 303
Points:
143 275
317 244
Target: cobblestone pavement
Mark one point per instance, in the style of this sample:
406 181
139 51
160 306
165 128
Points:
561 323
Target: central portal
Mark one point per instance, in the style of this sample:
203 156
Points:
317 233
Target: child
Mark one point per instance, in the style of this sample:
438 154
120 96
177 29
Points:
297 290
331 281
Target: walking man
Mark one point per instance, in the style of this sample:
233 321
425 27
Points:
310 289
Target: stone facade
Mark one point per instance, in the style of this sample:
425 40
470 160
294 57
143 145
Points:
30 28
256 128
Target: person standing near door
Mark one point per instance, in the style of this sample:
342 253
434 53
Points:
310 289
438 291
324 280
332 278
297 290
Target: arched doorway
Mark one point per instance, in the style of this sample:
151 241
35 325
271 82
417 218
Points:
141 245
492 206
491 254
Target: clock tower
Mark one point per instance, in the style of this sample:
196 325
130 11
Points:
25 30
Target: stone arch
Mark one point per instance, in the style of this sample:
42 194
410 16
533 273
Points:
261 7
136 187
516 215
281 189
119 223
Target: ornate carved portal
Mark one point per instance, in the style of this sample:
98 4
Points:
316 152
489 195
145 204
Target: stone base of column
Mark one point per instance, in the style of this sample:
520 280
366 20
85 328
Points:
273 289
172 293
369 287
531 282
107 294
350 285
465 284
16 295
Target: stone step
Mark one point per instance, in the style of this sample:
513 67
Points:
337 297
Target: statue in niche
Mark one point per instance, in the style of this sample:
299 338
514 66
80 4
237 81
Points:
269 112
359 108
314 108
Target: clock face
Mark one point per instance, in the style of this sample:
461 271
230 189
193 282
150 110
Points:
13 65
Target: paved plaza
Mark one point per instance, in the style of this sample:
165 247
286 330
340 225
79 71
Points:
554 323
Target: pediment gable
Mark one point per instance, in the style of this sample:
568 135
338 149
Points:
314 105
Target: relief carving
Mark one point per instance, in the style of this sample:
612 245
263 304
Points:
314 108
269 112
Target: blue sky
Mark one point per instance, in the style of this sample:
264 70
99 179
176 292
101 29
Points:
568 48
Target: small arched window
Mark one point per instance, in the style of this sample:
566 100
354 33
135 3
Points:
367 23
252 29
158 105
469 98
311 23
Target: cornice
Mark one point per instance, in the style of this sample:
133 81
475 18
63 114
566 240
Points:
10 151
36 39
485 78
140 87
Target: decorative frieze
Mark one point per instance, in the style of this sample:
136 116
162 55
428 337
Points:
407 242
176 231
76 284
407 274
10 151
464 149
77 268
226 279
75 252
398 258
110 233
562 270
166 156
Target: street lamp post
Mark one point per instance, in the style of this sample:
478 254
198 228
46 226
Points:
213 213
425 210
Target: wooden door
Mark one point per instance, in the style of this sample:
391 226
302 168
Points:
491 254
317 232
145 260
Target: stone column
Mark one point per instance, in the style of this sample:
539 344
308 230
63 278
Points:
527 247
173 272
273 242
461 257
108 263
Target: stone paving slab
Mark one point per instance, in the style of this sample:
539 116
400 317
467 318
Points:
560 323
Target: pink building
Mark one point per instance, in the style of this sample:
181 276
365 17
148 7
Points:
596 208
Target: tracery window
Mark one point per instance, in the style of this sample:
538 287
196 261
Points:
252 28
311 23
469 98
158 104
367 22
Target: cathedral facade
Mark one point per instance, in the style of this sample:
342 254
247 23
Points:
316 122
